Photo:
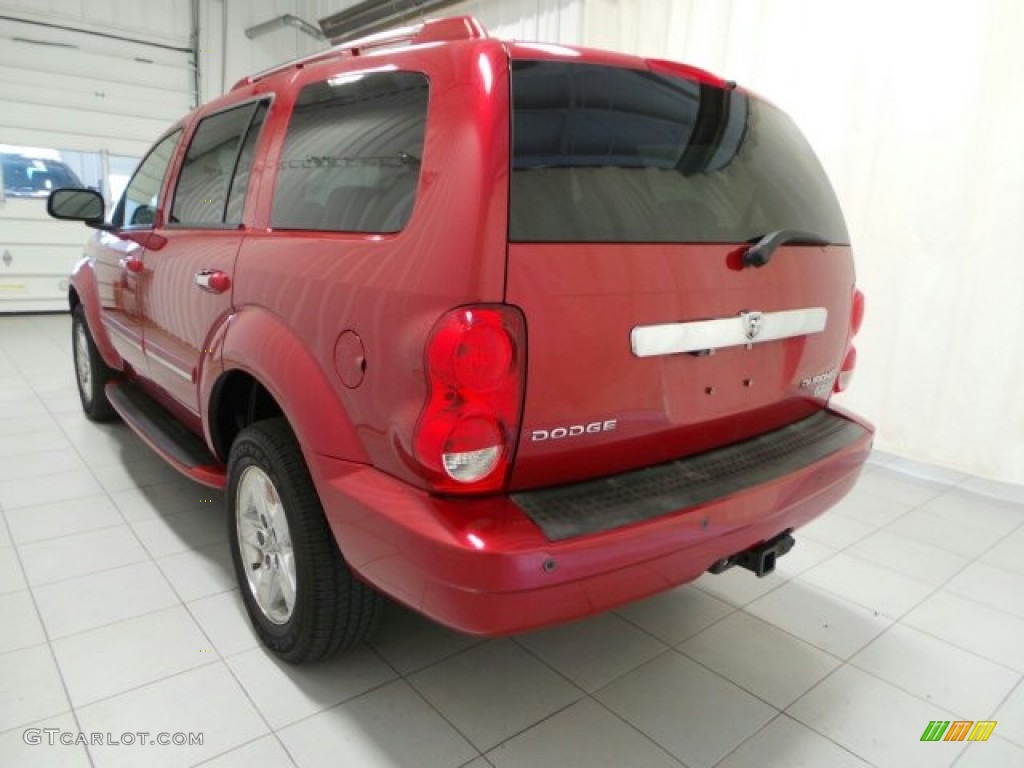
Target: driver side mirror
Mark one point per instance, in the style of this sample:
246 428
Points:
84 205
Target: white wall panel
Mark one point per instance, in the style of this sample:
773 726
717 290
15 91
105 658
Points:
163 21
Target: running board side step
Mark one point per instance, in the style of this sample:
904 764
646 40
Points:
179 447
760 558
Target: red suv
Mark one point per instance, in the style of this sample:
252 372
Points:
512 333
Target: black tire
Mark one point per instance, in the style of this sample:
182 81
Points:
91 372
331 610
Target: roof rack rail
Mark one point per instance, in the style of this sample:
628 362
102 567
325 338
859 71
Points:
433 31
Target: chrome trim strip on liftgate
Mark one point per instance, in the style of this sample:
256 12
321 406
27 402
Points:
743 329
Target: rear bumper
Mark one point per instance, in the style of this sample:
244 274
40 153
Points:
483 566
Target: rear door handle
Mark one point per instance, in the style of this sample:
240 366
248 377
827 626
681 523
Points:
213 280
132 264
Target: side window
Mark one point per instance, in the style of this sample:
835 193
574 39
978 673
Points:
201 194
141 197
351 157
240 183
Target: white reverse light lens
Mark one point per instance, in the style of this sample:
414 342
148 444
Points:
470 466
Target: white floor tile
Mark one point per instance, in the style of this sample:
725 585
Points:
32 687
909 557
266 752
165 500
805 554
594 651
31 491
694 714
391 727
785 742
933 670
677 614
285 693
410 642
62 518
118 657
876 588
5 536
897 486
874 720
869 509
20 425
994 489
43 439
959 538
12 579
992 586
21 626
972 626
739 586
1007 553
494 691
32 745
766 661
821 618
206 700
585 734
225 622
144 470
836 531
969 509
102 598
961 507
47 466
182 532
994 753
198 573
81 554
1011 717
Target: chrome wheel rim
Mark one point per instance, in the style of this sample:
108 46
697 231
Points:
265 545
82 369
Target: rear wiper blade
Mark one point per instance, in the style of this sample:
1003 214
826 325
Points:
760 253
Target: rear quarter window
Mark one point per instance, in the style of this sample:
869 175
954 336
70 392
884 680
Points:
351 157
606 154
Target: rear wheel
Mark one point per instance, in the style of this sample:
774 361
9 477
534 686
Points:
300 595
91 372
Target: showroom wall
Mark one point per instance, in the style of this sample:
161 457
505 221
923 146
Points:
912 106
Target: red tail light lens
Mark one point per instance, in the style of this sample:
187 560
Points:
857 312
465 437
846 371
850 361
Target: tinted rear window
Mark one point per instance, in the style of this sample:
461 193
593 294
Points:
605 154
351 157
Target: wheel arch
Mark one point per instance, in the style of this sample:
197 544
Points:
264 370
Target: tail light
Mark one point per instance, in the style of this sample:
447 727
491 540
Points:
466 435
850 361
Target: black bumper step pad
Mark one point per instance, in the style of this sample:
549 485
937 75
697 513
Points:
592 506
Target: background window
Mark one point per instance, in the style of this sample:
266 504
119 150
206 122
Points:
351 157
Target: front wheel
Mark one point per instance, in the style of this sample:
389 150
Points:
91 372
301 597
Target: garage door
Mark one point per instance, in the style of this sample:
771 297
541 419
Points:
76 107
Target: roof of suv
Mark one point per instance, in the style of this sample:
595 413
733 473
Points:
462 28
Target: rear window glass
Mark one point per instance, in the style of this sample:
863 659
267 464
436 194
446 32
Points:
351 157
605 154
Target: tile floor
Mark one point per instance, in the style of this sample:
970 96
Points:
903 605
